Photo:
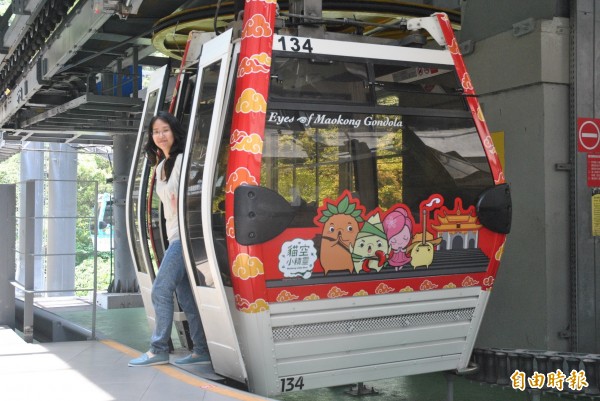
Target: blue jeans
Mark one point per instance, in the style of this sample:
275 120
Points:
172 278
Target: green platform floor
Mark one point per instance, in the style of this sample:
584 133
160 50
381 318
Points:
129 327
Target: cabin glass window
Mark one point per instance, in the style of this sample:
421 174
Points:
411 137
138 215
195 170
315 79
417 87
159 234
219 228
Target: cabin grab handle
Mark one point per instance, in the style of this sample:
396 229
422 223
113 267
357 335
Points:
494 208
259 214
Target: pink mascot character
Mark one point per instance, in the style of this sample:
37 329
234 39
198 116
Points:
398 230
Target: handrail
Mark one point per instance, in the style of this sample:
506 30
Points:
26 248
21 287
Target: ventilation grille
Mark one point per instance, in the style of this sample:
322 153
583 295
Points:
371 324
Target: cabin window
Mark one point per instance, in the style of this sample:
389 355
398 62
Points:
200 132
138 217
159 232
417 87
219 228
405 135
315 79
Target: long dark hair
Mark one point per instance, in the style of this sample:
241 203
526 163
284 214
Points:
154 153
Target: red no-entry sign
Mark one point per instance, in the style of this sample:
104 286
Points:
588 135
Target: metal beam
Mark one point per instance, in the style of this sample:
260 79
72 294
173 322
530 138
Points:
115 37
76 31
18 26
89 101
81 136
144 54
153 61
82 26
47 100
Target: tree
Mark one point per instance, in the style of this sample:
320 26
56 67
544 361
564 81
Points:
10 169
90 168
4 4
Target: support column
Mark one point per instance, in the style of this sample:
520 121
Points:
32 168
61 222
525 99
585 248
125 280
8 199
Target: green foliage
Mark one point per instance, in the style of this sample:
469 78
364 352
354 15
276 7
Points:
390 169
314 164
90 168
10 170
4 4
84 273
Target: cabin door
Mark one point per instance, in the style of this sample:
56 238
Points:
137 198
203 249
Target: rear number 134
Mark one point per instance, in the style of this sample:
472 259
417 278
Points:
292 384
295 44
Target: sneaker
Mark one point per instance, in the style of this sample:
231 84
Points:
146 360
193 360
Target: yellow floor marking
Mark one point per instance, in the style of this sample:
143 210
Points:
186 377
120 347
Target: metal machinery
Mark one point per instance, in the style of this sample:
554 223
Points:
342 209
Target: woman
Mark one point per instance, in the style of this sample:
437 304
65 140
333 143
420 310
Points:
166 142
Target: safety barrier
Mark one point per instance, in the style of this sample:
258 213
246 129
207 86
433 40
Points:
34 260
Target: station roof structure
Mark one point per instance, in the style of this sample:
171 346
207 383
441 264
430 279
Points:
66 66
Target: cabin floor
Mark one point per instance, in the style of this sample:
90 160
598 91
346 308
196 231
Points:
126 330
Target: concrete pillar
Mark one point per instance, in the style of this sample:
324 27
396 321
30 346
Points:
8 199
125 280
61 222
32 168
521 76
585 262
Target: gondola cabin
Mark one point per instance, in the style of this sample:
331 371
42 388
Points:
342 209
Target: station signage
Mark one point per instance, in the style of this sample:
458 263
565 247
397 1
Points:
593 170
